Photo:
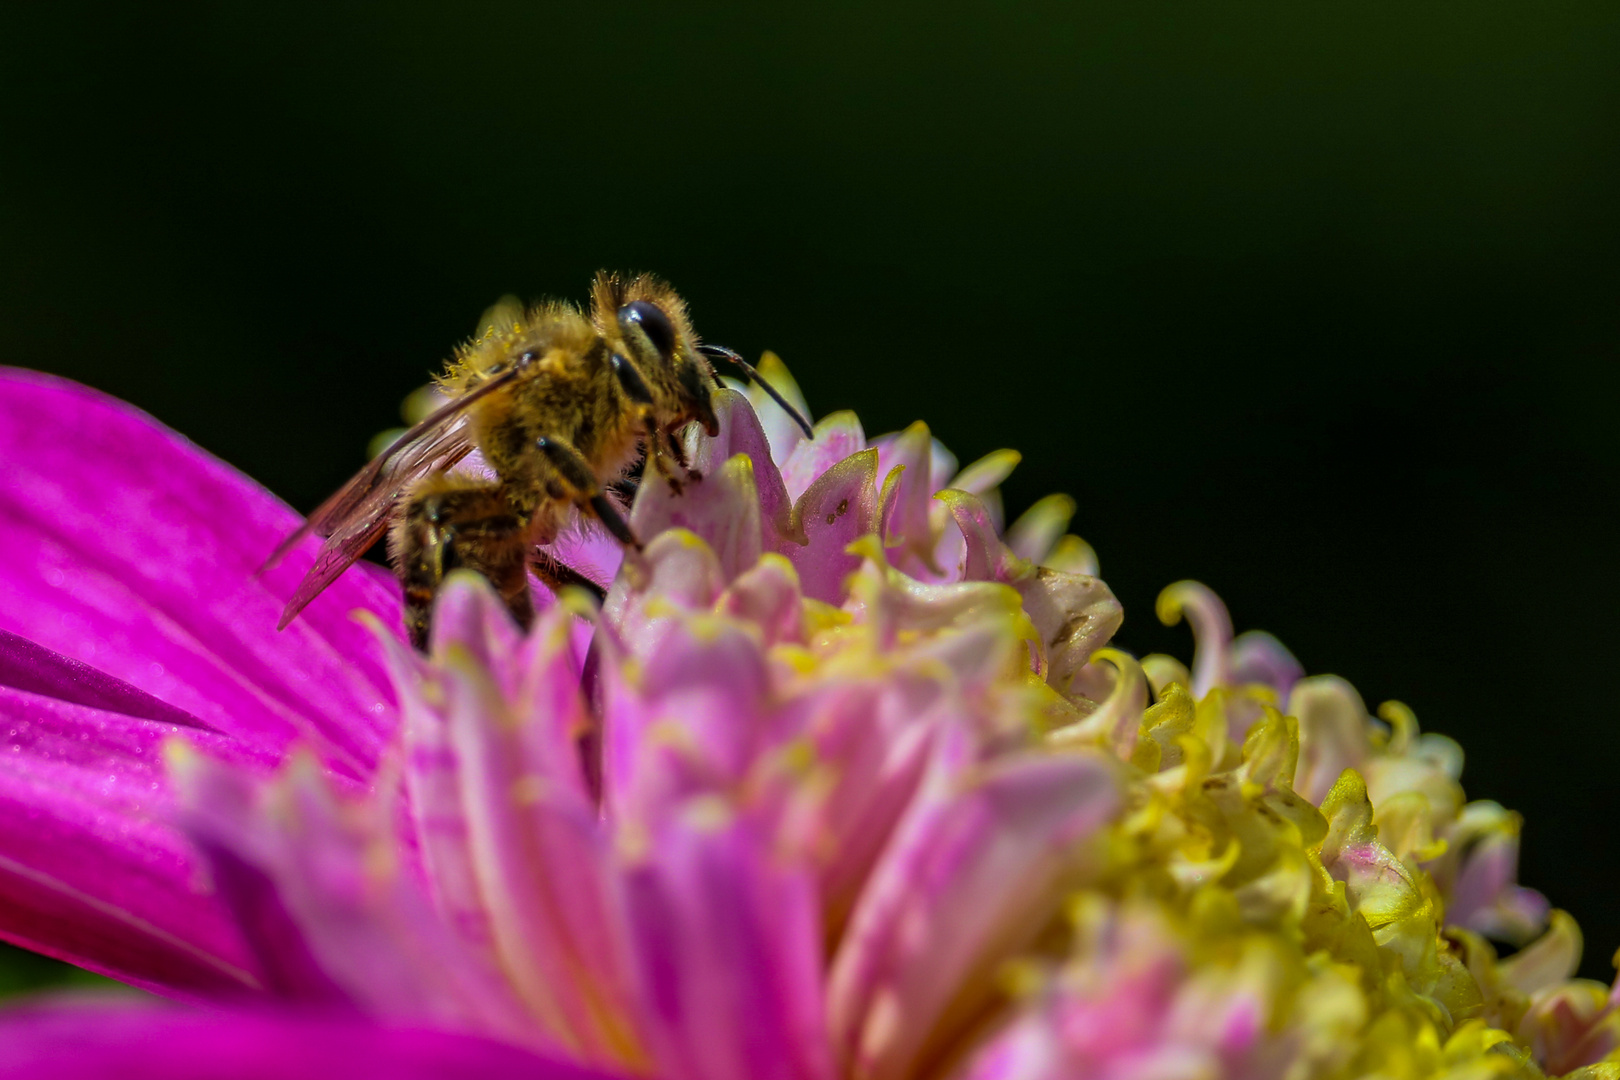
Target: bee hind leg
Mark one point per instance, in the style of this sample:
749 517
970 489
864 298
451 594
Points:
558 575
454 523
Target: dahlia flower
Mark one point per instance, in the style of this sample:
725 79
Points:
843 780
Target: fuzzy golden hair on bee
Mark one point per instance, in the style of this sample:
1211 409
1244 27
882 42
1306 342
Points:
611 291
509 329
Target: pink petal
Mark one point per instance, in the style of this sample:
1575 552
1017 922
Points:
364 922
722 509
970 876
836 510
908 524
1075 615
782 430
690 718
540 859
878 737
741 433
739 506
676 572
91 870
99 1041
132 550
768 597
1485 895
838 435
1029 1048
728 947
437 820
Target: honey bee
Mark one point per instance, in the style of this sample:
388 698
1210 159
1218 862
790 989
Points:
560 403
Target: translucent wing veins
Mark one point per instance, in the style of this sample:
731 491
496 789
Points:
356 515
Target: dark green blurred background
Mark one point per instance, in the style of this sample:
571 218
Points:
1316 303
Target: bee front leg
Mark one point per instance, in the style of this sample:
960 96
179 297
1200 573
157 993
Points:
678 452
456 522
576 472
668 456
661 446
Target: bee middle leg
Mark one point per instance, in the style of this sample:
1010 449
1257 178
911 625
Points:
588 491
455 522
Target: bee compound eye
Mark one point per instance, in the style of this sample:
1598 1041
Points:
653 322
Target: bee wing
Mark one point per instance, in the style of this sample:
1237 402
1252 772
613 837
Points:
357 514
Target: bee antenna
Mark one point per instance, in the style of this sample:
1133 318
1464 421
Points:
720 352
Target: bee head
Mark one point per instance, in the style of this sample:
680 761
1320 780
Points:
650 319
648 316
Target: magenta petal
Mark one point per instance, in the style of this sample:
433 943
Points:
100 1041
288 969
25 665
91 871
132 550
969 876
728 945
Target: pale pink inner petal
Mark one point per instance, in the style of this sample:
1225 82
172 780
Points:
539 858
908 523
968 877
364 920
728 947
693 718
838 435
835 511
